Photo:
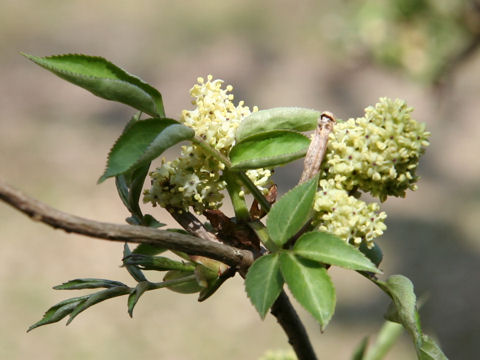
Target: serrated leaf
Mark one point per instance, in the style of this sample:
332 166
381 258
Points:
158 263
142 142
330 249
282 118
134 271
268 149
264 282
430 350
310 285
78 284
98 297
190 286
104 79
59 311
291 212
135 295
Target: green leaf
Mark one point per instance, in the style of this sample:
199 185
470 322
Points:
291 212
104 79
190 285
59 311
133 270
400 289
142 142
98 297
430 350
310 285
148 249
150 221
264 282
330 249
135 295
282 118
78 284
269 149
158 263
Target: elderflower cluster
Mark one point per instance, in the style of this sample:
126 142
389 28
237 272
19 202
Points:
378 154
194 179
347 217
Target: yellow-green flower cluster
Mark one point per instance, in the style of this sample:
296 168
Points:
343 215
377 153
194 179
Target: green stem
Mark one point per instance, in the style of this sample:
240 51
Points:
257 194
239 205
262 234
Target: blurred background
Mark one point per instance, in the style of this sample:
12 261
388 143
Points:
339 56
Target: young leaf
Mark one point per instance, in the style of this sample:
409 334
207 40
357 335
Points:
98 297
158 263
310 285
135 295
133 270
291 212
142 142
189 286
283 118
59 311
430 350
104 79
400 289
148 249
268 149
264 282
330 249
78 284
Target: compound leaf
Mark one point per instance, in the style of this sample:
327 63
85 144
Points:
264 282
142 142
330 249
104 79
268 149
310 285
282 118
291 211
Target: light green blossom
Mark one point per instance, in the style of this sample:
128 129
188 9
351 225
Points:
343 215
194 179
377 153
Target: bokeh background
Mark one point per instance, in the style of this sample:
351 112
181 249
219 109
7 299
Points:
329 55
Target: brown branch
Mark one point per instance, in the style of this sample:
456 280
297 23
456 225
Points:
192 245
288 319
318 147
